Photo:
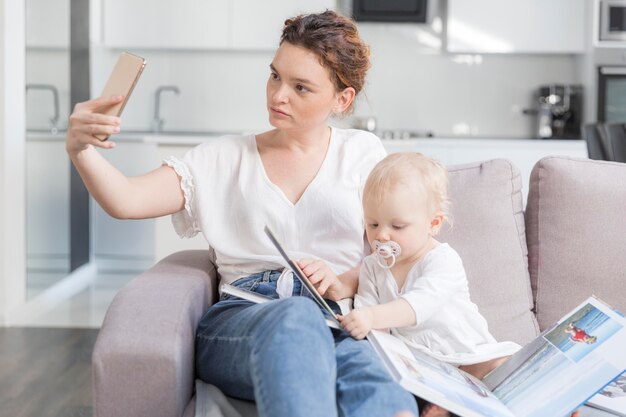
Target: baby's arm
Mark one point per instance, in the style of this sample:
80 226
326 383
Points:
361 320
151 195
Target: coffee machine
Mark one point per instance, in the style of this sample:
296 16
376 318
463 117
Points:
559 115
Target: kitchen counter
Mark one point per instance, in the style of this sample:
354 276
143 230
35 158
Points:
175 139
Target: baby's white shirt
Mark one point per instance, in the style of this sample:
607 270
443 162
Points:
229 199
448 325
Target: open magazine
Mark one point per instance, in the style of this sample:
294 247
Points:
260 298
612 398
551 376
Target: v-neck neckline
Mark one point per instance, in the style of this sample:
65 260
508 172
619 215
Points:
279 190
400 291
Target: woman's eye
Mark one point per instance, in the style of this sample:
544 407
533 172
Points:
274 76
398 227
373 225
301 88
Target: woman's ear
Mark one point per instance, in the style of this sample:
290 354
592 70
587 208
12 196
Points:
344 100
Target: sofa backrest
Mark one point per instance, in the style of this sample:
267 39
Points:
488 233
576 226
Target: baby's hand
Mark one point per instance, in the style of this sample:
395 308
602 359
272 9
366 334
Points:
359 322
322 277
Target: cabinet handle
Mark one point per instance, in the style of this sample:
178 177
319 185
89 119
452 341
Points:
613 71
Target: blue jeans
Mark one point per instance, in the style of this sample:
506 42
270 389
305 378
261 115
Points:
282 355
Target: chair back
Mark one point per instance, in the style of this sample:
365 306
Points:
616 135
595 147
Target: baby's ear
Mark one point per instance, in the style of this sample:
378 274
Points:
436 222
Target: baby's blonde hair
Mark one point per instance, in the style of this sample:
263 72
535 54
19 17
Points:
402 167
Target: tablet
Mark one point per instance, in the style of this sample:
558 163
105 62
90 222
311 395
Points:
299 274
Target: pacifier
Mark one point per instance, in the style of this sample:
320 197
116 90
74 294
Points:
386 250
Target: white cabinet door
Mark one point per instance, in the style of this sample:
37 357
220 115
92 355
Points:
258 24
48 23
125 244
513 26
173 24
523 153
47 205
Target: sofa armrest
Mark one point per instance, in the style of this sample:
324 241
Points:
143 359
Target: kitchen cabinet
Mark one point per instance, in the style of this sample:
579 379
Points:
529 26
125 245
523 153
168 24
200 24
258 24
48 23
47 204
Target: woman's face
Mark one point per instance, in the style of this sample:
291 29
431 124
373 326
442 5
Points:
300 93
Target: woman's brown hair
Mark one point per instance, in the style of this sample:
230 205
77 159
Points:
335 39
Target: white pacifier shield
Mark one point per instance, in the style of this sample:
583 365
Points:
386 250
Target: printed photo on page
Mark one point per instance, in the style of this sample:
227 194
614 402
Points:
574 362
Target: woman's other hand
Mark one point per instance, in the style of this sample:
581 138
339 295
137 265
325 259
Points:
85 123
359 322
323 278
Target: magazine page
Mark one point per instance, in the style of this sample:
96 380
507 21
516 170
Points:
502 372
612 398
578 356
260 298
435 381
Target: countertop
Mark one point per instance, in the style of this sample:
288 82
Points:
193 138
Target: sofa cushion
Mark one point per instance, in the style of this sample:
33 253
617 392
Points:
488 233
576 234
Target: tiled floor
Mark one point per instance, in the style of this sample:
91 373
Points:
87 308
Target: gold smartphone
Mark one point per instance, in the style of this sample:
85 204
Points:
121 82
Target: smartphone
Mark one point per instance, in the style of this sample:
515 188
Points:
121 82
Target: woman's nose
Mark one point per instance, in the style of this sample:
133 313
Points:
280 95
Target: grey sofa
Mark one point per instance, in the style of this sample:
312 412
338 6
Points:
526 269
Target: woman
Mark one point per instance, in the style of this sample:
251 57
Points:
304 179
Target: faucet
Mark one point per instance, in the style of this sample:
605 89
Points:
157 122
54 120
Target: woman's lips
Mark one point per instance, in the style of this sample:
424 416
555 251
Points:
278 111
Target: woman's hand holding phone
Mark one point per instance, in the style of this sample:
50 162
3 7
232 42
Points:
93 121
86 122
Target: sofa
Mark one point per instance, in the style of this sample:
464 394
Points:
526 268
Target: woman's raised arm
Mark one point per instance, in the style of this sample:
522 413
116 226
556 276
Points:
154 194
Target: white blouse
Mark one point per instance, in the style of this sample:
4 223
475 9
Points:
448 325
229 198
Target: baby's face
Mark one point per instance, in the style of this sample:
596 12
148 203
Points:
402 216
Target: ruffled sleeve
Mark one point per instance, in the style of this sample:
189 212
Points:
185 221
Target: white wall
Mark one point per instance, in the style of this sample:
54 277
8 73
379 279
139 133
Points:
412 85
12 125
451 94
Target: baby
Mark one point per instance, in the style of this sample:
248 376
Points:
578 335
411 283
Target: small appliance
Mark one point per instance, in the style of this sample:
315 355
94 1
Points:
613 20
390 10
559 115
612 94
